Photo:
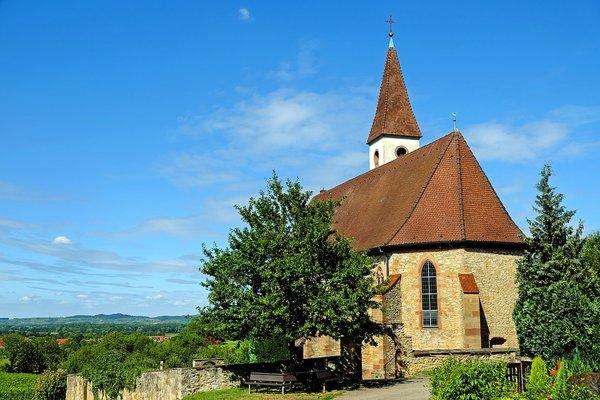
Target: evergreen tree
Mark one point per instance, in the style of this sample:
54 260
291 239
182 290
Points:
286 275
554 314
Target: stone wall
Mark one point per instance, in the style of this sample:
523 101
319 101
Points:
494 271
321 346
169 384
420 363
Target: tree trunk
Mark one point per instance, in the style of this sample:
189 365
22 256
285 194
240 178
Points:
296 354
351 360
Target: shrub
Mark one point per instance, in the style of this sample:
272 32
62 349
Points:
538 382
456 380
51 385
232 352
268 351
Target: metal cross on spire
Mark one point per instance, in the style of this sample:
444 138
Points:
454 128
390 21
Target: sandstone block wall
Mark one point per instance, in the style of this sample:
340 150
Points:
321 346
170 384
417 365
494 271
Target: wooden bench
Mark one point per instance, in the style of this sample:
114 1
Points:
276 379
324 377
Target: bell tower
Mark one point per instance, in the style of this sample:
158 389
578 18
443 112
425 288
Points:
395 131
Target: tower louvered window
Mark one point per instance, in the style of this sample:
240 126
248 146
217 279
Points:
429 296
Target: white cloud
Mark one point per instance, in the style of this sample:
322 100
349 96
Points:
157 296
519 142
29 298
302 66
319 134
184 226
62 240
82 296
244 14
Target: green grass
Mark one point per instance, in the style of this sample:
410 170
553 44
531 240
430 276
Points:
242 394
17 386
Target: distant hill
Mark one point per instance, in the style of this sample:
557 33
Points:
100 323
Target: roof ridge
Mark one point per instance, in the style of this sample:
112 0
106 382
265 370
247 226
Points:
416 203
461 200
490 184
385 168
406 93
387 86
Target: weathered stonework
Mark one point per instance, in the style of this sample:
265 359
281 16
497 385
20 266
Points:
472 320
417 365
494 272
321 346
170 384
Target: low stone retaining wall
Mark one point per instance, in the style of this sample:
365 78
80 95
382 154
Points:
169 384
423 361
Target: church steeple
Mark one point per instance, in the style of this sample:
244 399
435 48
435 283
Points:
395 130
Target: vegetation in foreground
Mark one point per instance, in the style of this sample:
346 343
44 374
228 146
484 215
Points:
17 386
242 394
485 380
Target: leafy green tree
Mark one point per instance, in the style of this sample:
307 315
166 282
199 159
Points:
287 275
554 313
51 352
24 355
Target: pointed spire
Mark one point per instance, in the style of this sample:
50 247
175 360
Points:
394 115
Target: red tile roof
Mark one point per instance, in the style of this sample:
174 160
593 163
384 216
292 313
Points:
436 194
394 115
468 284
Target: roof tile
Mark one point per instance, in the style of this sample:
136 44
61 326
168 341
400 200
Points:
436 194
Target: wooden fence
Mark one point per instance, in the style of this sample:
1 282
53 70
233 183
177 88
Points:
516 373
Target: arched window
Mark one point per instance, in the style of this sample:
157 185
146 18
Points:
429 303
376 158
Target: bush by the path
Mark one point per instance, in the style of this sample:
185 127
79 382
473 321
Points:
456 380
51 385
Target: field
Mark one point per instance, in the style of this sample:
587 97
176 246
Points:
242 394
17 386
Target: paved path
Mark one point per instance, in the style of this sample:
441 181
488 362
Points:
411 389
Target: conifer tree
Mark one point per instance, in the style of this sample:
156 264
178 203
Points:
286 275
554 315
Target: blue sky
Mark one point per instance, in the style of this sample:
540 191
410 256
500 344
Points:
129 129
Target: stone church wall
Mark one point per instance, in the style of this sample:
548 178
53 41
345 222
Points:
494 272
467 321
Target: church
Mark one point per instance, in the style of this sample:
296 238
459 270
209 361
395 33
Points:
444 246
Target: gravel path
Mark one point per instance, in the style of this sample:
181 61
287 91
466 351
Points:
411 389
